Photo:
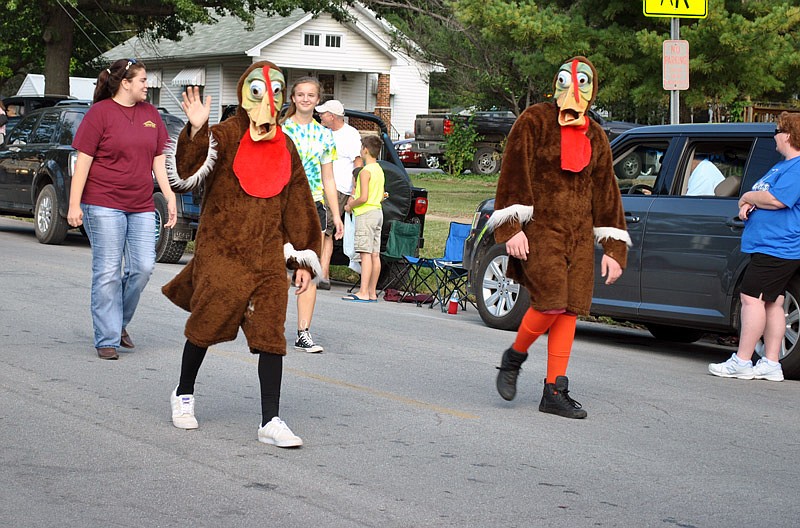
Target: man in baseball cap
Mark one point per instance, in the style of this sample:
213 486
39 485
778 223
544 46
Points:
348 151
333 106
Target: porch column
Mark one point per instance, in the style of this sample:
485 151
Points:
383 107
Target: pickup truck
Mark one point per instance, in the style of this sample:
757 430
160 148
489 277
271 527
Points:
430 131
493 127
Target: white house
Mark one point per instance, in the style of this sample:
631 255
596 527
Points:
353 60
79 87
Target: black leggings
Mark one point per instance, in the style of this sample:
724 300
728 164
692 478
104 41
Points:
270 374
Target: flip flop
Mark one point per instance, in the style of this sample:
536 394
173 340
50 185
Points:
352 297
373 300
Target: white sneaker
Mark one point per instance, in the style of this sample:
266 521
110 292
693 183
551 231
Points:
732 369
183 410
305 343
277 433
764 371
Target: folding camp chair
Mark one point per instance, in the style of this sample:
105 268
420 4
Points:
403 240
443 275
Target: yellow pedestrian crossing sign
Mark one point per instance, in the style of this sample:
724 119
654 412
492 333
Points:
676 8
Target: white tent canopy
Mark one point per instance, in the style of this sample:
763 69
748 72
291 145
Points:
79 87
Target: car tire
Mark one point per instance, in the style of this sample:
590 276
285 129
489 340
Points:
790 356
501 301
486 161
430 161
675 334
630 167
49 225
168 251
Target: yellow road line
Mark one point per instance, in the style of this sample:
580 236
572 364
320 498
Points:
239 356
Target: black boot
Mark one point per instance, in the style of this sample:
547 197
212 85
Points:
556 400
509 370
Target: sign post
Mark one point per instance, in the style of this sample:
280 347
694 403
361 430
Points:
675 56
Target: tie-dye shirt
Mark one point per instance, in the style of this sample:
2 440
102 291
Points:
316 146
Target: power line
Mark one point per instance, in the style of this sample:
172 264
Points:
79 27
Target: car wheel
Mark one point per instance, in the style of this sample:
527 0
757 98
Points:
790 356
49 225
501 301
487 161
630 167
430 161
676 334
167 250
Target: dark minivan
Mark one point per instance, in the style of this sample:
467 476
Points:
685 265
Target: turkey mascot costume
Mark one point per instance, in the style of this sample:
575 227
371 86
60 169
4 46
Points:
556 195
258 222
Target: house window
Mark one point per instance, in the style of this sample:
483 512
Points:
333 41
311 39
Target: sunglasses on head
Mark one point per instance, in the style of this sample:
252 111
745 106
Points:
779 131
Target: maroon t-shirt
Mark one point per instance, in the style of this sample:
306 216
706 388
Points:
123 142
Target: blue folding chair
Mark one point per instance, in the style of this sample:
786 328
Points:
444 275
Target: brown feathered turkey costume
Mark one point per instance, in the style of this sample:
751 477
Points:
560 209
247 239
557 188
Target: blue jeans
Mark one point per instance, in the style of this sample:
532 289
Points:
115 235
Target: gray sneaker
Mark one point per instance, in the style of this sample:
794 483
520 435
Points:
764 371
324 284
732 369
305 343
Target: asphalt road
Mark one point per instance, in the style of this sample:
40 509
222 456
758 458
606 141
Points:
401 422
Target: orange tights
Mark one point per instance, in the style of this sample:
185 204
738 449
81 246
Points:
559 342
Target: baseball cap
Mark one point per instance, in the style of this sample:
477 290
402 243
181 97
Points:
333 106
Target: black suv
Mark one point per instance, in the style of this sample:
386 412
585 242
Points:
685 265
36 164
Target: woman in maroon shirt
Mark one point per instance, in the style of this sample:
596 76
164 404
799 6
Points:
120 145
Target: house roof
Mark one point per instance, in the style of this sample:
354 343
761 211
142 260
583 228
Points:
207 39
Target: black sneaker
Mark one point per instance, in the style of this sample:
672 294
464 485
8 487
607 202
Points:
305 343
509 371
556 400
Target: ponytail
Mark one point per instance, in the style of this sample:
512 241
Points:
110 79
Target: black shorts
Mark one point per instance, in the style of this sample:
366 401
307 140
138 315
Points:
767 277
323 215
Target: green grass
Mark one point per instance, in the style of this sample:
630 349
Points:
454 198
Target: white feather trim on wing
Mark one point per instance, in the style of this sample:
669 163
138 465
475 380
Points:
601 233
195 180
305 257
520 213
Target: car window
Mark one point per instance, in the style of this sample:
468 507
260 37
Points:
638 165
69 127
712 168
46 129
21 132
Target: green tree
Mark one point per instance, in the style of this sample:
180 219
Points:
505 52
44 33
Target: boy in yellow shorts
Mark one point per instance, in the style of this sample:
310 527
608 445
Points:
365 204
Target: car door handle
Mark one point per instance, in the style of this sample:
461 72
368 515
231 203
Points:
735 222
40 156
632 219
